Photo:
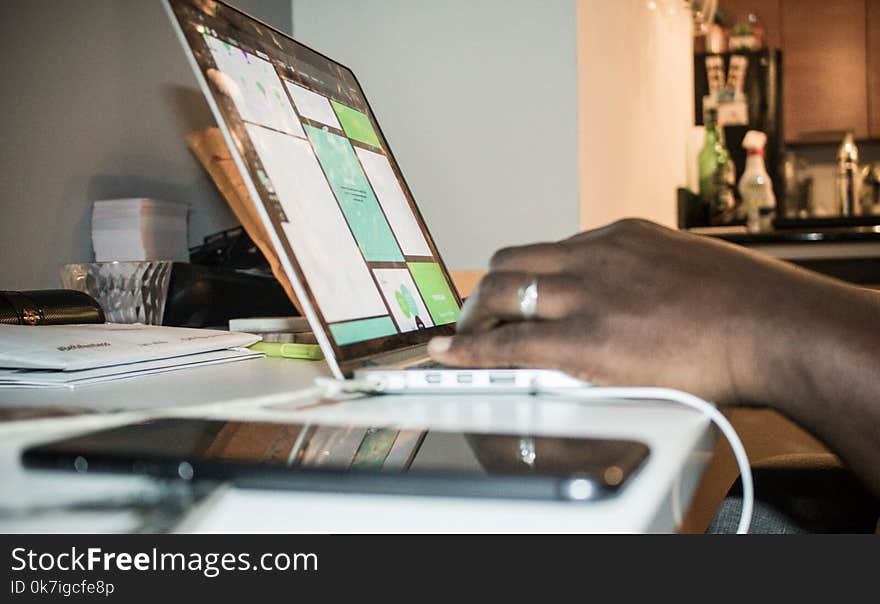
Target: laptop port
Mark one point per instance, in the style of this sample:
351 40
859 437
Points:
502 378
465 378
433 378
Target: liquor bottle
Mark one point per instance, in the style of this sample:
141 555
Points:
716 171
755 186
846 180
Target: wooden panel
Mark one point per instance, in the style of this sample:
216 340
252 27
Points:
466 281
768 12
824 66
873 31
770 440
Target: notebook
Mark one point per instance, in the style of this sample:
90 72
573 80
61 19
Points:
363 265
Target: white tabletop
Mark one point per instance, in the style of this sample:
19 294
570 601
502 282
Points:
681 442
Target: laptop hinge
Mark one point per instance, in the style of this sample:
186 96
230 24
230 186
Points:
400 359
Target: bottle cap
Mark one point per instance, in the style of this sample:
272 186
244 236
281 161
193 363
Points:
848 151
754 142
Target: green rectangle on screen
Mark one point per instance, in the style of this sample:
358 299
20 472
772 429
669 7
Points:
374 449
435 291
356 124
365 329
355 196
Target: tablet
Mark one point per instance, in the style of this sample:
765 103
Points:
363 459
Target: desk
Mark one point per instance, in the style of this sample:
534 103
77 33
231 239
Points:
681 443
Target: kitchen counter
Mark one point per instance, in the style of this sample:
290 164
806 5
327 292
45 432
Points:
740 236
850 253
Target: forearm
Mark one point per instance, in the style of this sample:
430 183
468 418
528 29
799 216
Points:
820 365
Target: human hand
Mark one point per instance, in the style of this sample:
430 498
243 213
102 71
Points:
636 304
633 304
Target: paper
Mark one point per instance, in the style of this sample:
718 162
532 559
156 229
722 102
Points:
21 378
139 229
77 347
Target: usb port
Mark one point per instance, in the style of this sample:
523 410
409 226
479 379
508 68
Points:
433 378
465 378
502 378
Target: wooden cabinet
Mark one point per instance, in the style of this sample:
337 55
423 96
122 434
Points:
831 64
824 69
767 10
873 33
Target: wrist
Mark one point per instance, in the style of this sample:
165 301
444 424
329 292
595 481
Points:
805 355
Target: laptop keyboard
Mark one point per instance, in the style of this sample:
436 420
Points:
432 364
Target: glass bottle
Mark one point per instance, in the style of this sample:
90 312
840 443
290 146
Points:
755 186
846 181
716 171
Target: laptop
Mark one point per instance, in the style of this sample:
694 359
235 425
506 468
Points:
362 263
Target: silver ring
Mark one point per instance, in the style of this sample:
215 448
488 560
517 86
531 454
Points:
527 453
528 300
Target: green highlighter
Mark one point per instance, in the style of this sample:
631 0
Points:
289 350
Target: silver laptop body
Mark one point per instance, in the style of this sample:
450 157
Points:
345 225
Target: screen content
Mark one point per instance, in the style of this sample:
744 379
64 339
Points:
327 178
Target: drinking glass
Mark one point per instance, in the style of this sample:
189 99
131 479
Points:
129 292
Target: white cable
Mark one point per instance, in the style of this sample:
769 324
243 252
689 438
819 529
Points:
334 387
688 400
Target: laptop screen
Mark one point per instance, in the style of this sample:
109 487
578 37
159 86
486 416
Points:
333 194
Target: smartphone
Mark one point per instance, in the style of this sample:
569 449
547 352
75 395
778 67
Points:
363 459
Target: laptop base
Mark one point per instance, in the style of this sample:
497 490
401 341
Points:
460 381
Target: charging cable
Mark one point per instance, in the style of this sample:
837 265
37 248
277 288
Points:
596 393
334 387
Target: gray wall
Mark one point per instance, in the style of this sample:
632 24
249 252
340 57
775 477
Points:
97 97
479 102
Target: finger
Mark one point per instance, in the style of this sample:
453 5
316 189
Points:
536 258
511 345
497 299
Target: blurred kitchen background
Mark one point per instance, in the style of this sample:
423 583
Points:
812 83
